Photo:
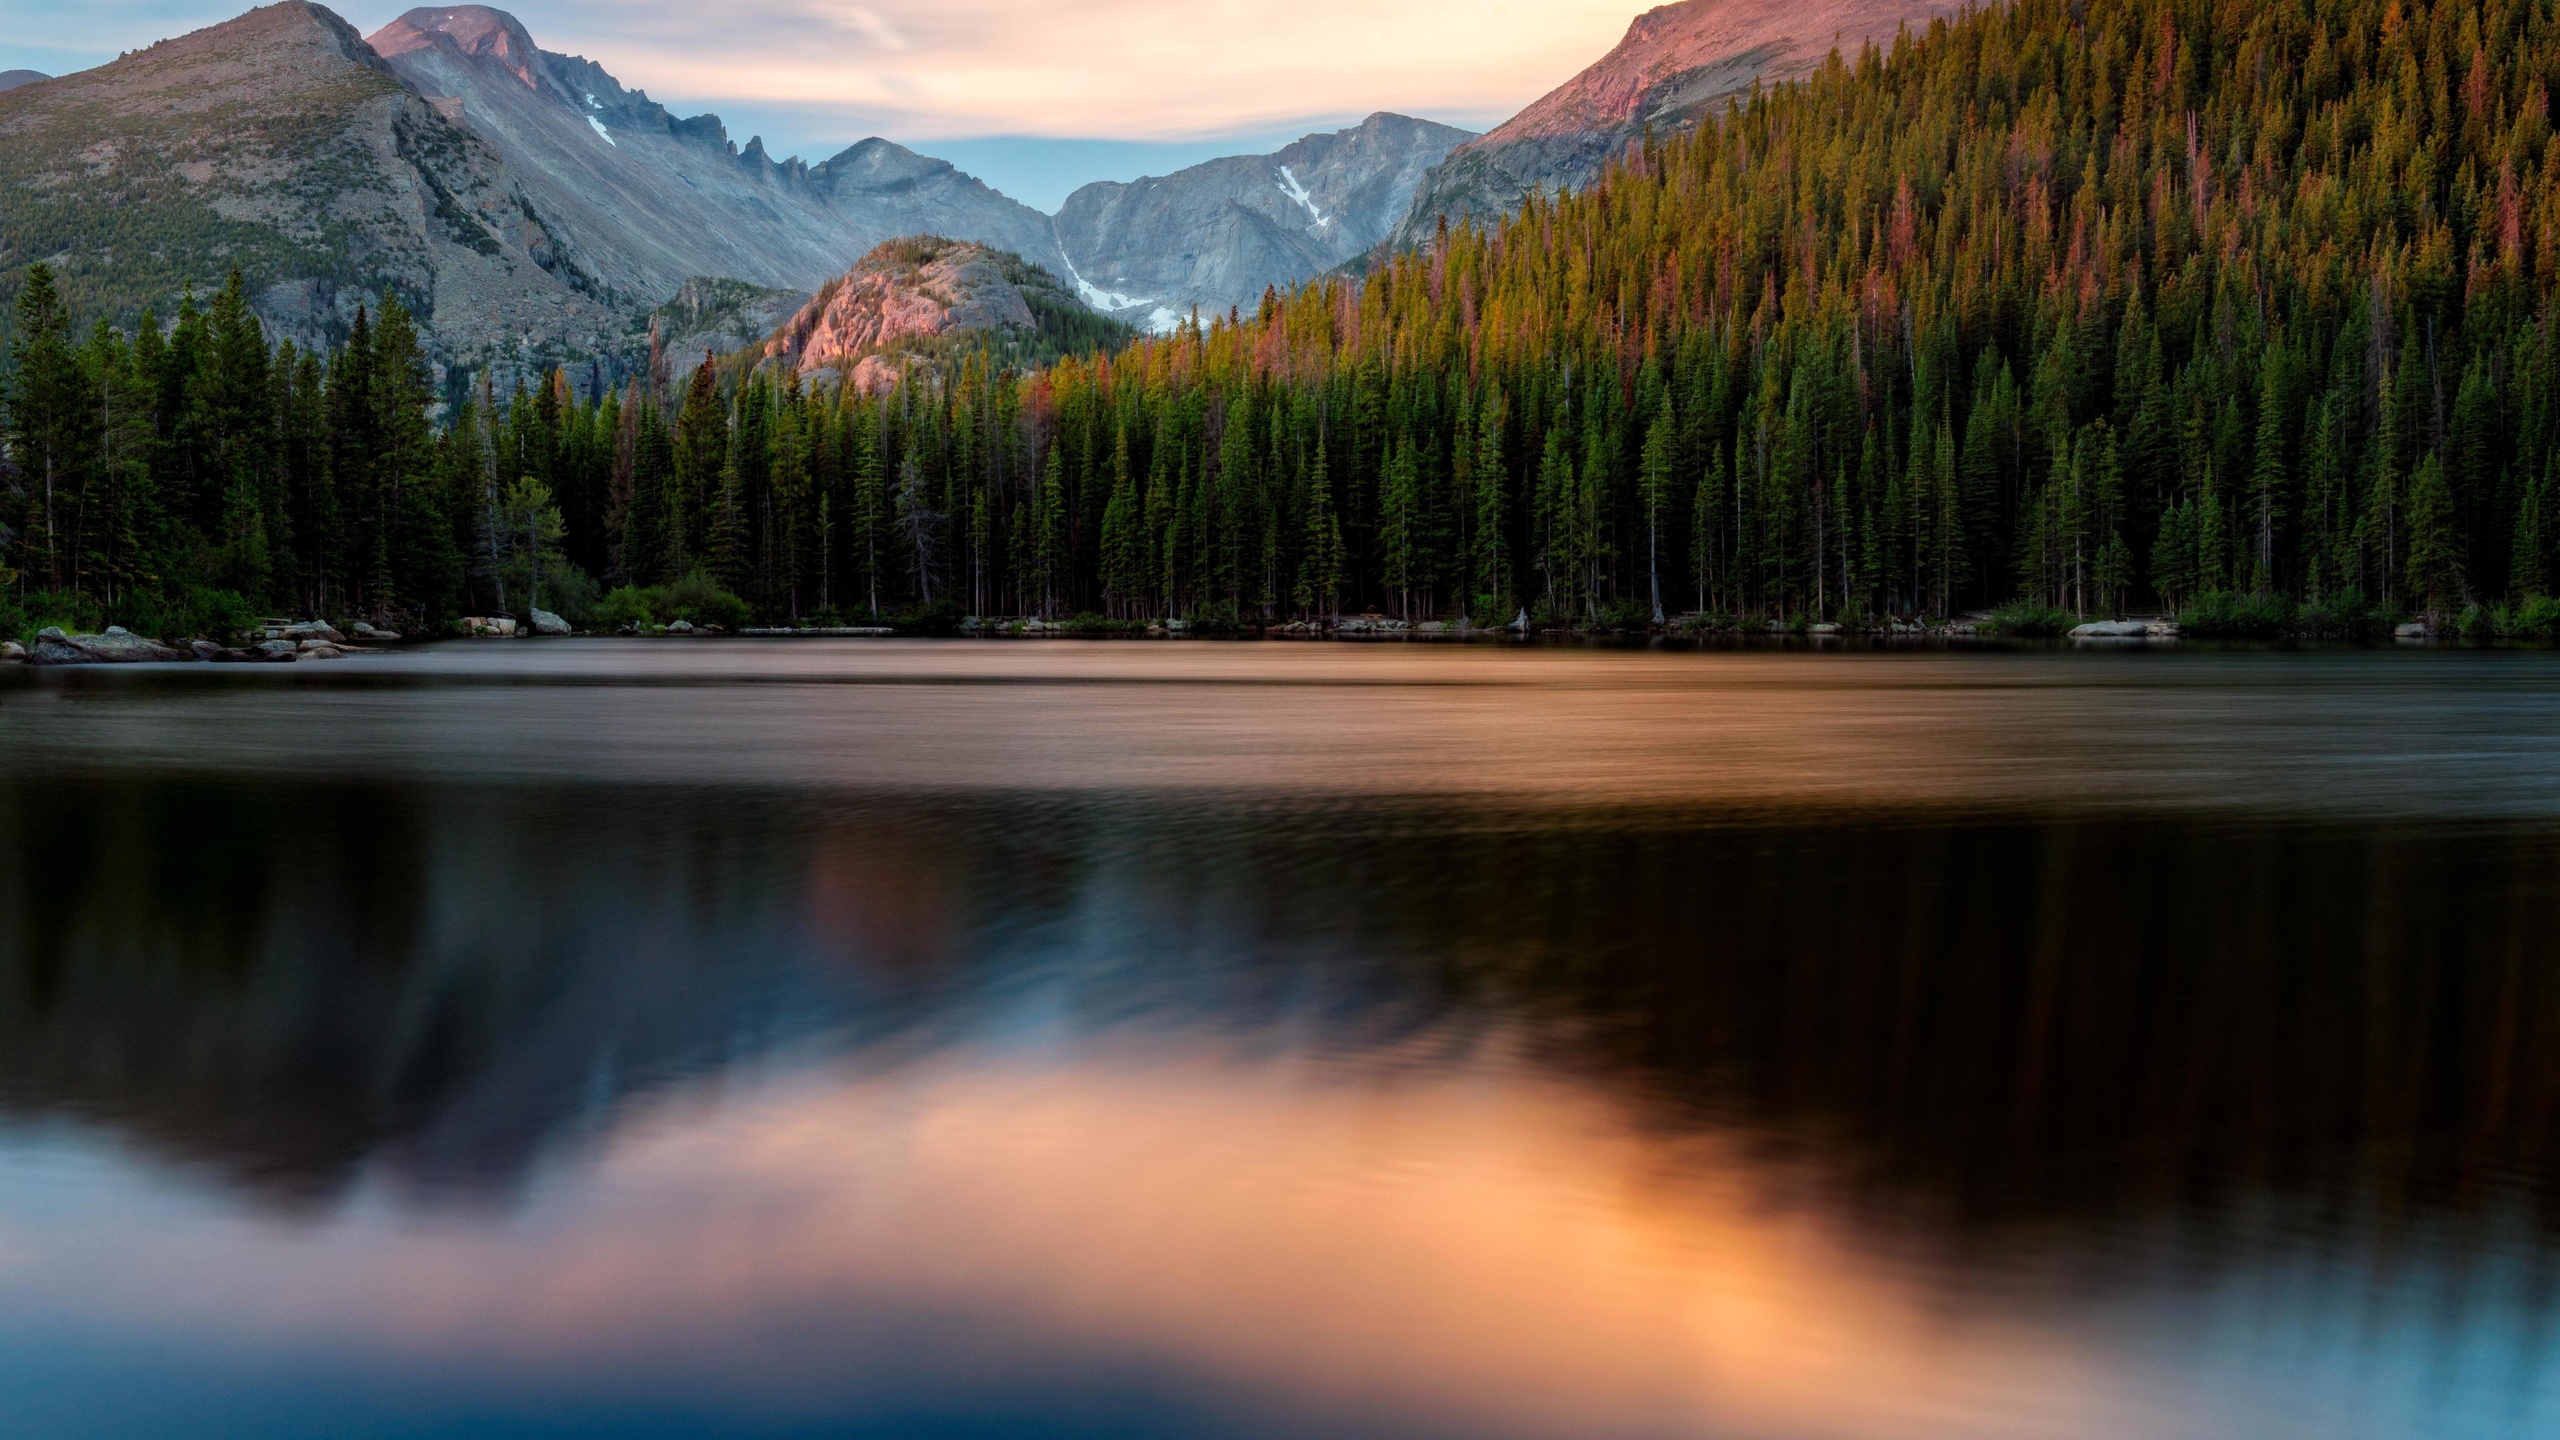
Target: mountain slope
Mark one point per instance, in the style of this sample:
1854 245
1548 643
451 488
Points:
654 199
1219 233
1676 63
279 143
716 316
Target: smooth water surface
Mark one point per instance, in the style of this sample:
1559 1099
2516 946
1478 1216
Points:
1057 1039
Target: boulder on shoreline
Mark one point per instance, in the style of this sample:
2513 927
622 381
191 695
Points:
2111 630
546 623
114 646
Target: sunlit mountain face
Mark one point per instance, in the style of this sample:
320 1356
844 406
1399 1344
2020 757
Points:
453 1094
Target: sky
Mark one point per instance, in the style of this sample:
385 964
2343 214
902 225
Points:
1035 96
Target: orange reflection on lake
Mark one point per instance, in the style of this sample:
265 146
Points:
1471 1245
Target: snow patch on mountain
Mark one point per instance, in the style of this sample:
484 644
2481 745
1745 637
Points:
1106 301
1290 187
598 126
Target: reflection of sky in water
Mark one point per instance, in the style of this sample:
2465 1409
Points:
1470 1250
1866 1078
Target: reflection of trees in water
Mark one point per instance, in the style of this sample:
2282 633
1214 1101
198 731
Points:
2004 1024
1979 1026
282 983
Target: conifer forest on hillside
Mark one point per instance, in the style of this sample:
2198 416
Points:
2244 312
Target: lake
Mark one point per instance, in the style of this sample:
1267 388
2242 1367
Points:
915 1039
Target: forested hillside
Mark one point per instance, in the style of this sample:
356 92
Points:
2098 305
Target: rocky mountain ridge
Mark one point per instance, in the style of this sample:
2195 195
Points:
1676 64
652 199
532 210
1219 233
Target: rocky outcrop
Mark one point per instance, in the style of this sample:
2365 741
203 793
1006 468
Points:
647 199
1220 233
280 143
1677 64
903 293
114 646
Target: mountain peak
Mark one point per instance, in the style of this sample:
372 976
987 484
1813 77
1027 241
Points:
476 31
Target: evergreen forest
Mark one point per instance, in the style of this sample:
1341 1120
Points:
2242 312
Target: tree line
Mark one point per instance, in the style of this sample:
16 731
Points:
2095 305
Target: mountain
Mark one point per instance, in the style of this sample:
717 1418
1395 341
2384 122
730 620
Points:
280 143
12 79
1220 233
530 209
650 199
1676 64
908 296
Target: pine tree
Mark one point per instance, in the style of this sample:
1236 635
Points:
1126 575
2435 561
1657 482
919 525
701 452
869 517
46 410
1320 568
1400 525
1052 558
1492 558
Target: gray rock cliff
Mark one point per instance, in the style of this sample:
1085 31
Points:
1219 233
650 200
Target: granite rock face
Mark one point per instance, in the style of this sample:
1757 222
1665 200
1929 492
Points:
1220 233
1677 64
904 291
